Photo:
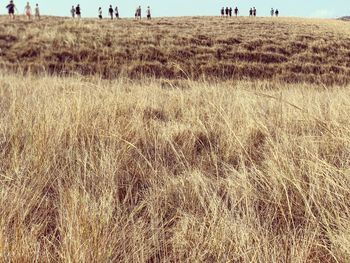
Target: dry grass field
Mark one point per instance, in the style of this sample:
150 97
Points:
283 49
206 147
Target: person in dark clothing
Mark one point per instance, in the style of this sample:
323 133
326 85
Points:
78 11
111 12
223 12
230 11
100 12
277 12
11 9
236 11
226 11
251 12
254 11
116 11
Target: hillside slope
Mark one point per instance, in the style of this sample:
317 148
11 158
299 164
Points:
286 49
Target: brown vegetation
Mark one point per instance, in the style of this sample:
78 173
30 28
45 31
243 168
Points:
288 50
173 171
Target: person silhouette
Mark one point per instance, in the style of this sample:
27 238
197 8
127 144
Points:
236 11
11 7
116 11
78 11
72 11
251 12
223 12
28 11
272 12
37 11
254 11
277 12
148 12
100 13
111 12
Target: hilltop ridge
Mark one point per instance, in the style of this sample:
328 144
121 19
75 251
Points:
284 49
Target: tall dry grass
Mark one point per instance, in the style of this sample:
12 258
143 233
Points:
116 171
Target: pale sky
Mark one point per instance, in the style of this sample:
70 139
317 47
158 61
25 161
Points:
301 8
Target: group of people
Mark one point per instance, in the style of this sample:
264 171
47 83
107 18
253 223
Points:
76 12
112 12
228 11
274 12
11 8
252 12
138 13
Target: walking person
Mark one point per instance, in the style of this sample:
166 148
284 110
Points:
78 11
230 11
223 12
116 11
272 12
72 12
254 11
148 12
251 12
100 13
277 12
11 9
111 12
236 11
226 11
28 11
37 12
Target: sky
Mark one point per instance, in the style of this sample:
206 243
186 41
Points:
299 8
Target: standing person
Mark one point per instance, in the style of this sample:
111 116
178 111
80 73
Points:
272 12
78 11
236 11
254 11
72 11
148 12
251 12
37 11
11 9
226 11
223 12
277 12
116 12
28 11
230 11
111 12
100 13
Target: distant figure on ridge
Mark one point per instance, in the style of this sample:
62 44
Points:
230 11
72 12
111 12
277 12
148 12
236 11
37 11
227 11
78 11
11 9
223 12
251 12
100 13
28 11
116 12
138 13
272 12
254 11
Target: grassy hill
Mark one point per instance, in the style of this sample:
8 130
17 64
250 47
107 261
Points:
285 49
162 159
